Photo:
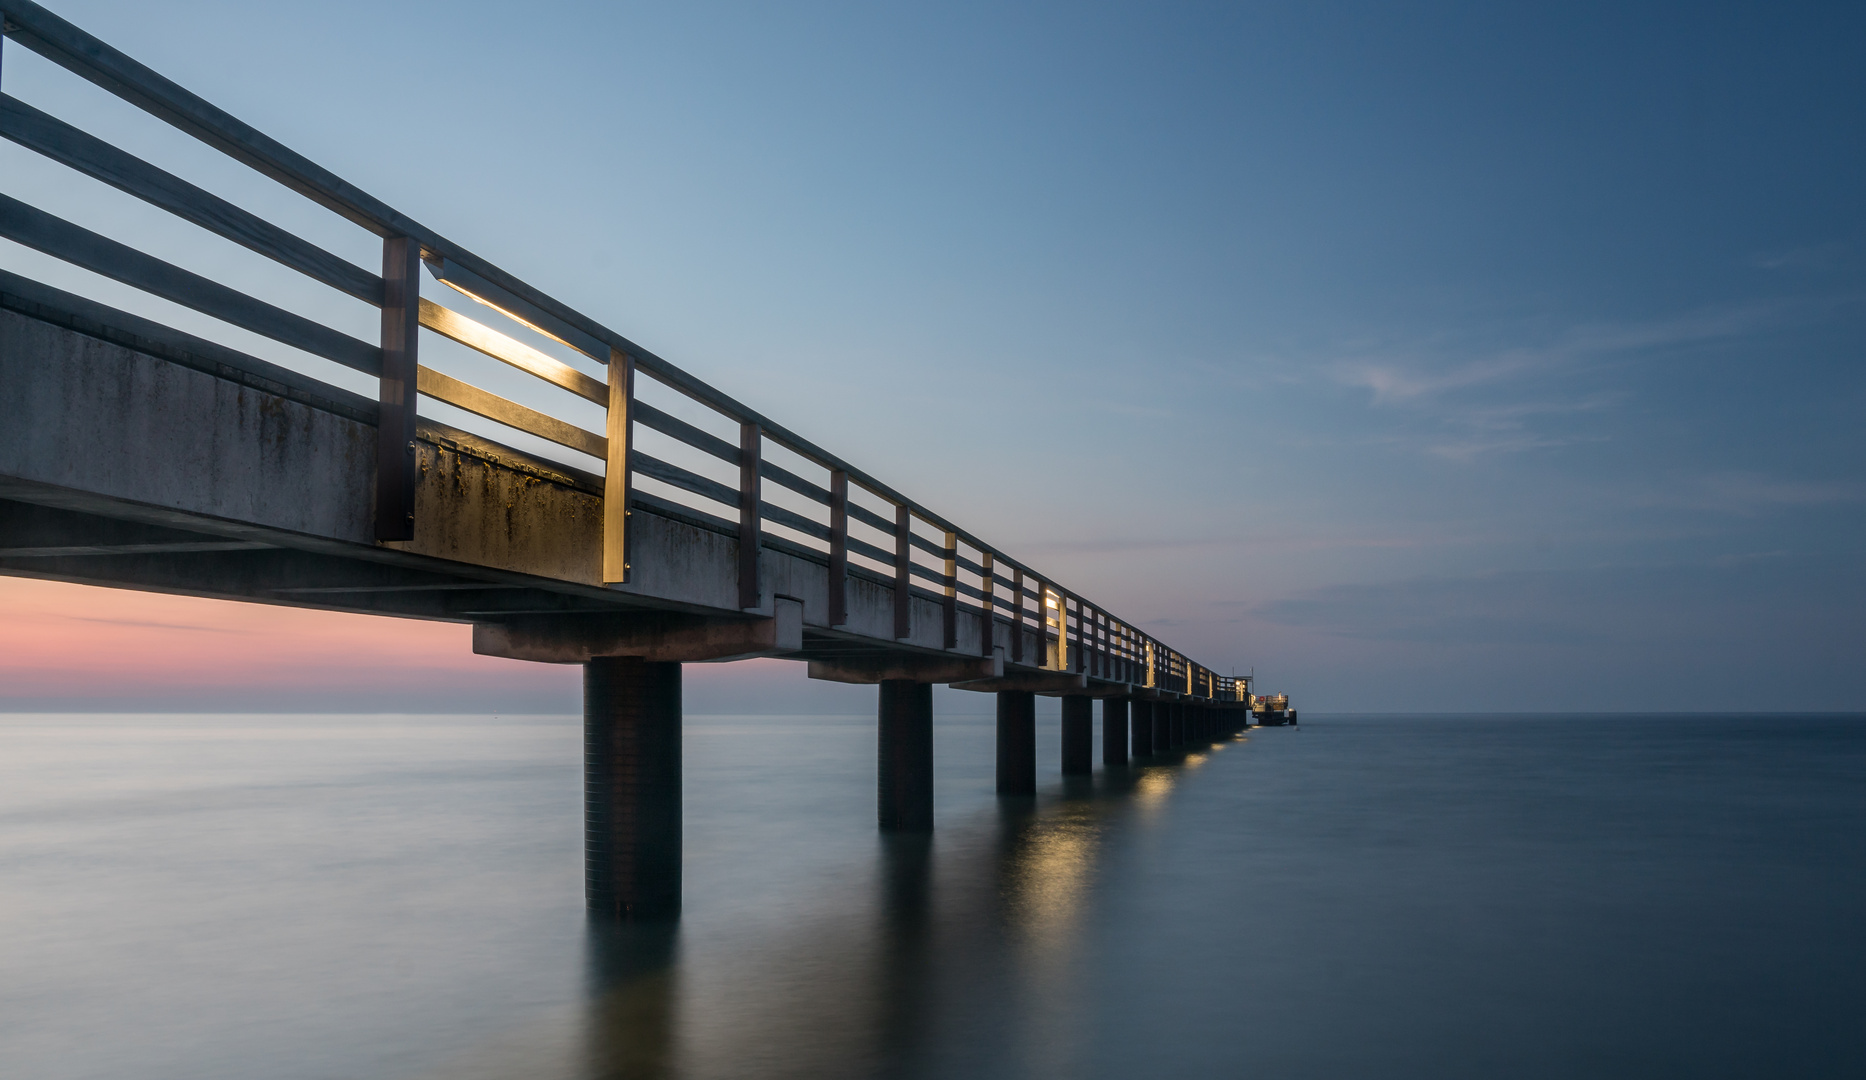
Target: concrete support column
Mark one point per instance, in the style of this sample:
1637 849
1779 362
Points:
1017 742
631 788
1143 727
904 745
1078 735
1176 726
1114 731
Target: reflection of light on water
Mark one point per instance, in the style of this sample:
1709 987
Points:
1153 787
1050 872
1193 761
1047 877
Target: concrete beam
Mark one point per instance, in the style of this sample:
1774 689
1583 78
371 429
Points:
650 635
1035 682
920 669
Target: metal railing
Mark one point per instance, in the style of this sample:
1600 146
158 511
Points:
958 569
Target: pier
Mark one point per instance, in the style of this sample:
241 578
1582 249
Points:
684 527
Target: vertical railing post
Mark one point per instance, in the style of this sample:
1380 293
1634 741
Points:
1053 662
1082 636
616 480
1063 658
903 560
1017 616
949 614
988 585
395 422
838 547
751 514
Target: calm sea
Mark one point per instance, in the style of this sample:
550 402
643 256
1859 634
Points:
1437 897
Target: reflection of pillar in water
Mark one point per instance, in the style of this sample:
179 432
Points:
630 1034
903 1007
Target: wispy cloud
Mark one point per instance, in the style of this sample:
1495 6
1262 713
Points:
1813 257
1760 491
1430 370
1488 398
148 624
1749 493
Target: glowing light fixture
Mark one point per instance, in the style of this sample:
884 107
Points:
478 289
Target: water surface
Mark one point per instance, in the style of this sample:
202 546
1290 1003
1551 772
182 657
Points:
258 896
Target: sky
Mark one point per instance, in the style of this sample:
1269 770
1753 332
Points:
1413 356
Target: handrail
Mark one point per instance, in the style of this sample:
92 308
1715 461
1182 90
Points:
1093 634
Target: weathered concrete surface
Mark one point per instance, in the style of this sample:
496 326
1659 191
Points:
473 509
82 414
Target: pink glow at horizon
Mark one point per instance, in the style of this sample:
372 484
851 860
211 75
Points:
65 646
59 640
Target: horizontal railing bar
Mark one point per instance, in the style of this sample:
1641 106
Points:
79 246
69 47
676 428
926 545
99 160
963 589
790 519
964 563
670 508
879 554
927 573
783 477
669 473
510 413
452 325
873 520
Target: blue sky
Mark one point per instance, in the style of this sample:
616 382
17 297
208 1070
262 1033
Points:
1417 356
